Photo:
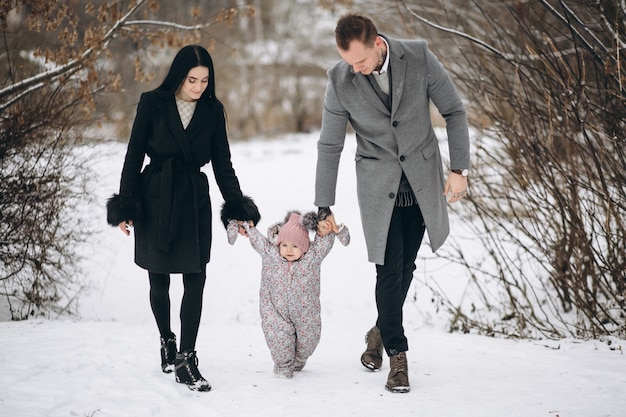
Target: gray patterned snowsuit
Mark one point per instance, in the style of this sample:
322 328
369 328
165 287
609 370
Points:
290 298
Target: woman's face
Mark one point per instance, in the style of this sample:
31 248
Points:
195 83
290 251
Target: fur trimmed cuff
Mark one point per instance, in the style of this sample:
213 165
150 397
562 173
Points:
243 209
121 208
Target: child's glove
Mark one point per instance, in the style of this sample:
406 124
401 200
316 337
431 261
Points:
232 230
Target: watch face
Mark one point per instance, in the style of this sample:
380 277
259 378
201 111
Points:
465 172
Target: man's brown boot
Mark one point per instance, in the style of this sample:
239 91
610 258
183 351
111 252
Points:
372 358
398 379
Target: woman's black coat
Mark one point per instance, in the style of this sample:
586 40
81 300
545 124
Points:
168 200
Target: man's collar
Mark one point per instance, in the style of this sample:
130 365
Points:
385 66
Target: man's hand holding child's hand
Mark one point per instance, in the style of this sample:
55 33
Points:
326 222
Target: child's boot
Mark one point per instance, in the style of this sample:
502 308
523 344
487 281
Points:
299 364
283 371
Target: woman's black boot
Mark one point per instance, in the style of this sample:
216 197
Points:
187 372
168 354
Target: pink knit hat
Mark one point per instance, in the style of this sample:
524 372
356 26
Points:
292 231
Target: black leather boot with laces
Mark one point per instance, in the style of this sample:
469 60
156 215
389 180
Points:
168 354
187 372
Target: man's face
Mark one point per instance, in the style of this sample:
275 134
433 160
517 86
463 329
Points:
361 58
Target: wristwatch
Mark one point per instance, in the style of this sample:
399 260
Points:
462 172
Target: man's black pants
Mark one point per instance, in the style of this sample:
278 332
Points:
393 279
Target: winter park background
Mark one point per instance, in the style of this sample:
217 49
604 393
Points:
105 362
553 105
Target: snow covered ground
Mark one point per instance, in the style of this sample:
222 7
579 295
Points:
106 362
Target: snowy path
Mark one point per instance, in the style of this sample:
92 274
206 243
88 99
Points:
106 363
92 368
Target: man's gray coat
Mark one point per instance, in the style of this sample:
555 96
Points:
392 142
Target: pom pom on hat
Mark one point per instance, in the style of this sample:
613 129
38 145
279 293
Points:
309 221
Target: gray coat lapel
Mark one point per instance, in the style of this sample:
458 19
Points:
397 63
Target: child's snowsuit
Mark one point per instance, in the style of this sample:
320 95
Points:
290 297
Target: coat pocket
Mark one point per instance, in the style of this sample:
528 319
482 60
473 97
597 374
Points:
429 149
359 157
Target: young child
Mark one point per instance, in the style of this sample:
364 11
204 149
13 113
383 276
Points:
290 284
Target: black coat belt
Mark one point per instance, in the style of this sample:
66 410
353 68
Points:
171 199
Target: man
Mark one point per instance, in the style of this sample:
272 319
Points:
383 87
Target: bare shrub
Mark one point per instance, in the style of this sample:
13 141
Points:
547 79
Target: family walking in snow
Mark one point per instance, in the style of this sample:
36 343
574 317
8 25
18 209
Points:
383 88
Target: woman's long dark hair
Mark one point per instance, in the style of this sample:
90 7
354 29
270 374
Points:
187 58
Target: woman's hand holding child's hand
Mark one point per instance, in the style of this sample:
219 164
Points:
242 229
126 226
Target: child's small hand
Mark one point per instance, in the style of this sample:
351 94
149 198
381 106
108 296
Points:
323 228
327 226
242 229
333 224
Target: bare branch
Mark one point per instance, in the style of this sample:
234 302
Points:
170 25
464 35
46 76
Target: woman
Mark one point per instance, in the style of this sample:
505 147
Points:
180 126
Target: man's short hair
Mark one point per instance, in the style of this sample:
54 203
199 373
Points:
355 27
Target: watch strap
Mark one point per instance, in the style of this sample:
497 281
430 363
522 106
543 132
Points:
462 172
